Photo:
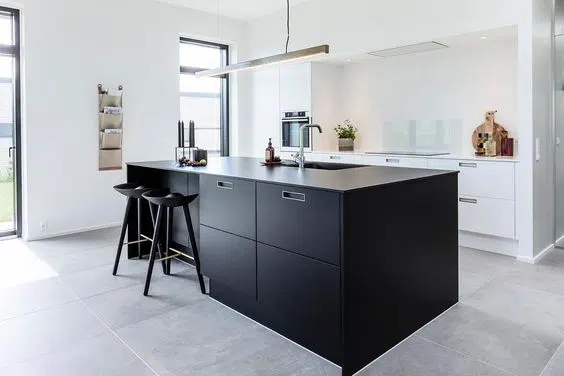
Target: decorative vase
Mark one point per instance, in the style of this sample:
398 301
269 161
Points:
346 144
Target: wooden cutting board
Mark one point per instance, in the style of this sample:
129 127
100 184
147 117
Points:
495 129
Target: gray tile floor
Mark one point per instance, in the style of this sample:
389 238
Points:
63 313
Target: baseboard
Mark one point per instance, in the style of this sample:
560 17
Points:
507 247
536 259
73 231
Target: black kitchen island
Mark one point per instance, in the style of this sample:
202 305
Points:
346 263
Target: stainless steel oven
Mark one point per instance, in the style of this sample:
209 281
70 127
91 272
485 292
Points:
290 124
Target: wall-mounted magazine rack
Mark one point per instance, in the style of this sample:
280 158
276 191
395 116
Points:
110 109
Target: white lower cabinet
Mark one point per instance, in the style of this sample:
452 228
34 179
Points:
489 216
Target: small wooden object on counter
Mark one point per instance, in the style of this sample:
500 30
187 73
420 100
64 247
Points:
496 131
507 146
110 112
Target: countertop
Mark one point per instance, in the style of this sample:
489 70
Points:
448 156
340 180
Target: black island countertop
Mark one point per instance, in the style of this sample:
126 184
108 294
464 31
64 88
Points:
331 180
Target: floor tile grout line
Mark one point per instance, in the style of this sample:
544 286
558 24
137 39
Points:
464 354
551 358
117 337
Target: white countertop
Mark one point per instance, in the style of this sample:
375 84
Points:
449 156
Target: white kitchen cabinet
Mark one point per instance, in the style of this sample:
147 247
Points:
295 87
487 216
481 178
394 161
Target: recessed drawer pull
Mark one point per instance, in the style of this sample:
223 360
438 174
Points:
293 196
225 185
468 200
471 165
334 157
392 160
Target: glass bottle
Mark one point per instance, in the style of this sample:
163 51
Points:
269 152
480 145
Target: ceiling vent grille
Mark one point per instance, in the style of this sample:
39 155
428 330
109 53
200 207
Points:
411 49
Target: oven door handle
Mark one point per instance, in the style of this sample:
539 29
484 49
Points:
292 120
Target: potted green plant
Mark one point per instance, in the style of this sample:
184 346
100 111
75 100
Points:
346 133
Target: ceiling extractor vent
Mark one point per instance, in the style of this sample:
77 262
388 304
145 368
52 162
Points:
411 49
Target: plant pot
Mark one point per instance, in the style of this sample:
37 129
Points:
346 144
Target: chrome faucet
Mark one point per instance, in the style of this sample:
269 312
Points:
300 157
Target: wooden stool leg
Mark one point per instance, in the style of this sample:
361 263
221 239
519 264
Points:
168 238
122 235
194 247
154 247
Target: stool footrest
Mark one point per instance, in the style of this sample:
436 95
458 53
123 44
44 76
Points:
138 241
178 254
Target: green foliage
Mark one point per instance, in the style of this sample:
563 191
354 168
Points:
346 130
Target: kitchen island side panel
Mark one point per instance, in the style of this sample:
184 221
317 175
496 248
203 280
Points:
160 179
400 263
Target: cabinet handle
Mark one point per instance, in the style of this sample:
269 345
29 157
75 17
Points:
471 165
334 157
224 185
468 200
392 160
293 196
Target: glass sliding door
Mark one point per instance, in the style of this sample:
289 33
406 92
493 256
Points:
10 132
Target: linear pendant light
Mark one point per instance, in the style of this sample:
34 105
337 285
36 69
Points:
287 57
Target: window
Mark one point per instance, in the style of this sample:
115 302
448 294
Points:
205 100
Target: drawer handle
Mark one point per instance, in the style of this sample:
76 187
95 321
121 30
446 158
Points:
392 160
334 157
468 200
224 185
471 165
293 196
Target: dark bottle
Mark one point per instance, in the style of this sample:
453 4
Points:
269 152
480 145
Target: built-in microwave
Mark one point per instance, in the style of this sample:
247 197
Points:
290 124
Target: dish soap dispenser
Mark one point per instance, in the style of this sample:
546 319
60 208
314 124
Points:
269 152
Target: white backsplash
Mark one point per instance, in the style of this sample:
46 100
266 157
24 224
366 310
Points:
423 135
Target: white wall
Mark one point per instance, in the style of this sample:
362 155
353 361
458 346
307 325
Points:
455 86
71 46
543 169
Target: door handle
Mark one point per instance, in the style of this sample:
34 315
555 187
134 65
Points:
471 165
10 151
224 185
468 200
295 196
392 160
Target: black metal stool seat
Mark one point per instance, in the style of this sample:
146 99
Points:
133 192
166 201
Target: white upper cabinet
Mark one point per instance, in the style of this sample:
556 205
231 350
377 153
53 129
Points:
295 87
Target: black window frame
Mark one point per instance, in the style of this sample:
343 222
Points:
224 90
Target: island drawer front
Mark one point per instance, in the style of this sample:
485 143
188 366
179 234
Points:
308 307
229 259
228 204
488 216
481 178
304 221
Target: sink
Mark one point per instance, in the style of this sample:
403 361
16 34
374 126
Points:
323 165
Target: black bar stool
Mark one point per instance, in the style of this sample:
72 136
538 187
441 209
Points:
169 201
133 192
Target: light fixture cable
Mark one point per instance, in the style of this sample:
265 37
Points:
287 24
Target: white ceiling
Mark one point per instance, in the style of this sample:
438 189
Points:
241 9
